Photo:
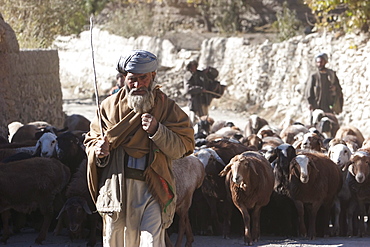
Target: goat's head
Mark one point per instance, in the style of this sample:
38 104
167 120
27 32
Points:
284 155
312 141
340 154
301 167
46 145
360 165
241 167
68 146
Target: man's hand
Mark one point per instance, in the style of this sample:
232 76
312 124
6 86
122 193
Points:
149 123
102 148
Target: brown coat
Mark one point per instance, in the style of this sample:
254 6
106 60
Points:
174 139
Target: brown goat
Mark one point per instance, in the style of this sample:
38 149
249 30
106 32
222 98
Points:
250 179
314 180
189 174
359 184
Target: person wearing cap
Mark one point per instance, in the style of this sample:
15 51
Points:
323 89
196 83
130 149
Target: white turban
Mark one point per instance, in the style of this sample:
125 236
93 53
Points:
138 62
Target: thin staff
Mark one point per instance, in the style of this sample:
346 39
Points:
95 82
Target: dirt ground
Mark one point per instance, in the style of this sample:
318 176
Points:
87 108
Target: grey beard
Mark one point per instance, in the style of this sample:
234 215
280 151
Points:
140 103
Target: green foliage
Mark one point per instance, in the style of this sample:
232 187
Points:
224 14
130 19
287 24
346 15
37 22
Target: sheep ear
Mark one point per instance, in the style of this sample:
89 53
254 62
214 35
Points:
293 164
225 170
345 167
61 211
313 164
37 149
350 170
252 165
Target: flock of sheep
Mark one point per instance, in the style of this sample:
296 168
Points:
300 181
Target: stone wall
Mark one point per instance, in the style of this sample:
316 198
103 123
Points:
30 86
268 79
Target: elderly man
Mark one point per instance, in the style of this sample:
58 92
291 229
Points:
130 150
323 89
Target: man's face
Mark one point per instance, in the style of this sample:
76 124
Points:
320 63
139 89
139 84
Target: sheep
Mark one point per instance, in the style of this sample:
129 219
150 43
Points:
69 150
45 147
254 124
289 133
313 180
189 174
312 141
359 184
232 133
215 156
327 123
76 122
250 180
281 207
340 154
252 141
79 210
269 143
350 134
30 184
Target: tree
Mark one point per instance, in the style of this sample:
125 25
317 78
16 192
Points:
37 22
345 15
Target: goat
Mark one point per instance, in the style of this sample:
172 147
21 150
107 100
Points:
355 136
45 147
29 184
189 174
76 122
340 154
79 210
215 156
359 184
70 151
312 141
250 180
288 135
327 123
269 143
281 207
254 124
313 180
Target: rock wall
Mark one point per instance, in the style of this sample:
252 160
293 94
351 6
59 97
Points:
30 86
268 79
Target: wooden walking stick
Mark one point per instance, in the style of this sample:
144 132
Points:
95 82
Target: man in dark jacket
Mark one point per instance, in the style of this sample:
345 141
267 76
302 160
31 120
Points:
196 83
323 89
